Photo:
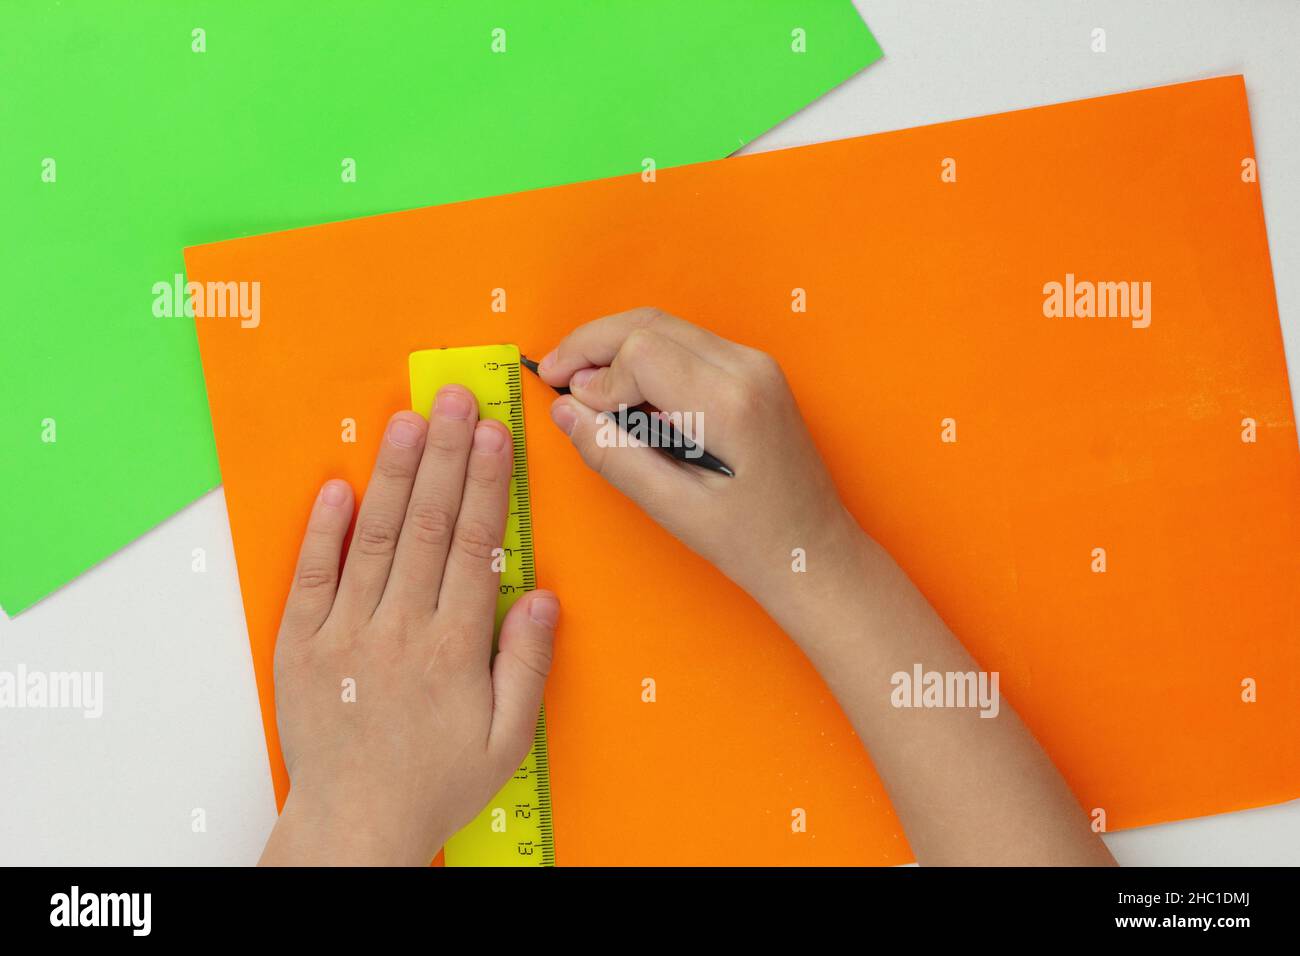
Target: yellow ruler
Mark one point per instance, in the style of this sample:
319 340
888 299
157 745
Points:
514 829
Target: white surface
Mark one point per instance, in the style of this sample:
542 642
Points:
181 728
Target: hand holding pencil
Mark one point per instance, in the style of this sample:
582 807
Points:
780 497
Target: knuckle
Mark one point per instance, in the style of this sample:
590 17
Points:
483 478
594 455
476 540
431 522
600 463
759 382
398 621
645 316
314 577
374 536
736 395
393 468
640 342
764 369
599 384
535 657
442 444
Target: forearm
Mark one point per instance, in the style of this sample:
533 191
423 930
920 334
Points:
968 789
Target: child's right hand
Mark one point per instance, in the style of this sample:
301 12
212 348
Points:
967 790
781 497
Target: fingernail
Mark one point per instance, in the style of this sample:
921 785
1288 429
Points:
547 361
544 610
489 438
582 376
334 493
453 403
404 432
562 414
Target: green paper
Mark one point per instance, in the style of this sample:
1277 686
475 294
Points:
157 147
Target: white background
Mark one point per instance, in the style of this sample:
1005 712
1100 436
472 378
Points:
181 728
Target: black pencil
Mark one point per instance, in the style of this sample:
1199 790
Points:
663 434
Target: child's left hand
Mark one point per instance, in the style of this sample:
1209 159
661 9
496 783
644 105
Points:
397 726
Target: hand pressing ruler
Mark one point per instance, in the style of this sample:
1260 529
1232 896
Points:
514 829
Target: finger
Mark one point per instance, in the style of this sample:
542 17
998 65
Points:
315 580
379 523
644 474
651 368
596 343
468 595
519 674
422 548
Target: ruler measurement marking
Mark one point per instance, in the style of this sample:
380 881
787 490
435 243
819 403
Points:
493 374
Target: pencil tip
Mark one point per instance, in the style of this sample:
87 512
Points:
726 471
527 363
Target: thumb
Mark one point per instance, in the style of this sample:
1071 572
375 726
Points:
651 479
519 673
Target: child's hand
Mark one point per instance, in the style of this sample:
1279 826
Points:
967 790
781 497
396 725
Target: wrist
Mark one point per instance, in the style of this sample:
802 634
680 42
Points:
317 832
814 589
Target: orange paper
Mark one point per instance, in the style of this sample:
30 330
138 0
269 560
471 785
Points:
925 301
